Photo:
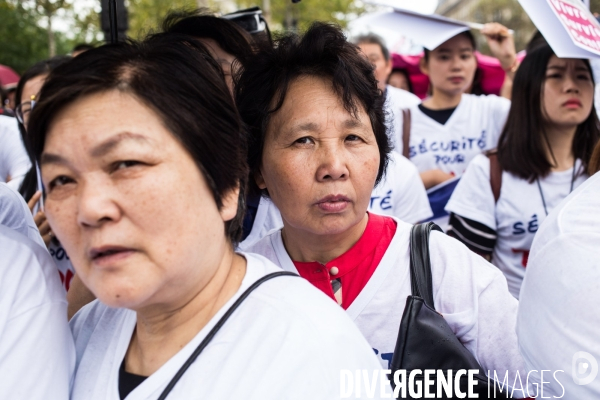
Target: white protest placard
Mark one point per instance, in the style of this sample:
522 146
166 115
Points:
428 30
567 25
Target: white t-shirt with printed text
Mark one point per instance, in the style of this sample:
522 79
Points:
469 292
287 340
558 317
65 268
473 127
517 215
401 193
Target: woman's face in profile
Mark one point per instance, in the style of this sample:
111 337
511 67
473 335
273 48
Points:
319 163
129 203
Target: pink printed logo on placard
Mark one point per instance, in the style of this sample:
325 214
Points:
579 23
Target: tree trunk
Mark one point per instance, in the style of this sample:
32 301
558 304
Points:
266 9
51 38
288 23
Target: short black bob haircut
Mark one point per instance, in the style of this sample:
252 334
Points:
203 24
322 51
179 80
522 144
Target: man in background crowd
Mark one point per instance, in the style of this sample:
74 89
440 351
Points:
395 99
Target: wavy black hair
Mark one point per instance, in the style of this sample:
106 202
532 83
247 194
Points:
523 141
322 51
178 79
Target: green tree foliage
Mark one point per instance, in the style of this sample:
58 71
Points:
288 16
47 9
147 15
24 37
22 41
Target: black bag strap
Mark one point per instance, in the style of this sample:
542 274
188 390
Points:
495 173
216 329
420 263
406 132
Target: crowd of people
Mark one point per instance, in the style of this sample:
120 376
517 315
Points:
210 213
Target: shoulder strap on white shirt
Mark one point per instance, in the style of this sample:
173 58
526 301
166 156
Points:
216 328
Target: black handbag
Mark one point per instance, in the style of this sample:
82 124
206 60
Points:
425 341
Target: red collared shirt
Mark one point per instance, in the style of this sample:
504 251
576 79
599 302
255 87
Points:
355 267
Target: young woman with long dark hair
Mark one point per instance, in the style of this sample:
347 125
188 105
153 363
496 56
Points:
542 156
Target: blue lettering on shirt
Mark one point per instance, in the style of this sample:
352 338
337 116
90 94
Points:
450 146
386 357
531 226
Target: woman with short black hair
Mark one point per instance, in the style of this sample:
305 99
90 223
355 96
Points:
543 154
317 147
148 201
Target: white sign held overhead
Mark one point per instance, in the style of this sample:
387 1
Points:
428 30
568 26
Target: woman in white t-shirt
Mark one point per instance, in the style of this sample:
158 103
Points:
318 156
542 155
26 95
148 202
449 128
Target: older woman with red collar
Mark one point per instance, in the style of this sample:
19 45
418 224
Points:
318 146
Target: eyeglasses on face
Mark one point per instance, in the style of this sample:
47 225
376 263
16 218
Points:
22 111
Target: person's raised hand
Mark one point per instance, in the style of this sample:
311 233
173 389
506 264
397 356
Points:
34 200
501 43
43 226
40 219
